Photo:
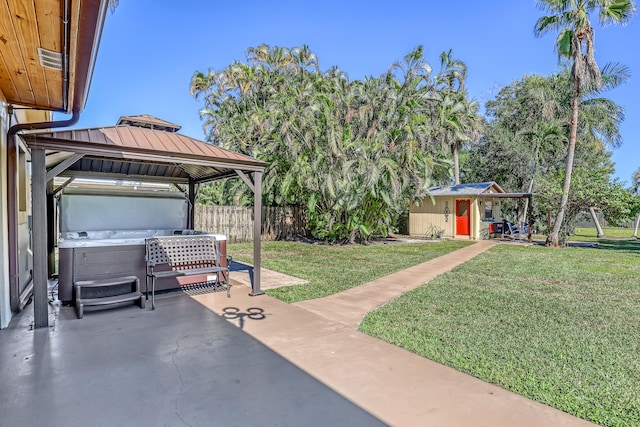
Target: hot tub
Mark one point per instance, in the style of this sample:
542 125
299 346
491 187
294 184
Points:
103 231
88 255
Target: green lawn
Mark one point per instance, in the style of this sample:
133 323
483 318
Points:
591 234
584 234
560 326
334 268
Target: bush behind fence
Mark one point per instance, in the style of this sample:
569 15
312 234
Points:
236 222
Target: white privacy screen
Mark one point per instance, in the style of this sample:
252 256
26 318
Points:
89 212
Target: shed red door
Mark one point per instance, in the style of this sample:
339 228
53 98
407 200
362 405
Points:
462 217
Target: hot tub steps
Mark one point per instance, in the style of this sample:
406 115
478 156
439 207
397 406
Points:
115 290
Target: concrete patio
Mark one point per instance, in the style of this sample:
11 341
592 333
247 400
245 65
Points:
180 365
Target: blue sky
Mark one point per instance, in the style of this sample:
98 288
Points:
150 50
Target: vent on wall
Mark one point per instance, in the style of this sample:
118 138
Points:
50 59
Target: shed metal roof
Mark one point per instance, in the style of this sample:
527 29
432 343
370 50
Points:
471 189
475 189
139 153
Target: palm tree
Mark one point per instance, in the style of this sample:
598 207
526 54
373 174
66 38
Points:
457 123
576 43
453 72
544 136
472 127
352 152
635 182
274 58
457 118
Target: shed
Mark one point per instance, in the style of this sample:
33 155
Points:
459 211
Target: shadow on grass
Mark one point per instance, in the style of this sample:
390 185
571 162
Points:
631 246
627 245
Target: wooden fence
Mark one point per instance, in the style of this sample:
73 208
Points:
236 222
585 220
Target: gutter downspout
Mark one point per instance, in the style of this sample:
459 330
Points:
66 19
12 198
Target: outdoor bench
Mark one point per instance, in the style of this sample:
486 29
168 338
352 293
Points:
240 266
176 256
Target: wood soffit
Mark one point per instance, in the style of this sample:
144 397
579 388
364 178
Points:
26 26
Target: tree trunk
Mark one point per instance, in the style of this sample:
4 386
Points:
635 231
352 237
456 165
552 238
523 217
594 217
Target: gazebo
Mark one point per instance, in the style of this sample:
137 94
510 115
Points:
141 148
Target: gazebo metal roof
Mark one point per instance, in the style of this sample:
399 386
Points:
139 153
148 121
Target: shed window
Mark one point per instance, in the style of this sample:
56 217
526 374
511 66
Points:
488 209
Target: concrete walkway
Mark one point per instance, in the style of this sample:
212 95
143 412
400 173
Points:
394 385
350 306
269 279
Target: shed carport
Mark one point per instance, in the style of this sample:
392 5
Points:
131 153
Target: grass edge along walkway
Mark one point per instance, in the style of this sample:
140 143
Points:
350 306
555 325
335 268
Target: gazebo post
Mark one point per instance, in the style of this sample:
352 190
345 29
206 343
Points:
257 231
39 197
192 204
51 229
